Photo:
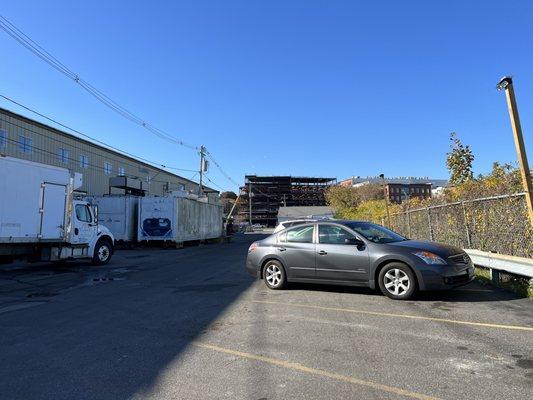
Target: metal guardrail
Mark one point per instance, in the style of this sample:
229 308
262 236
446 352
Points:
502 263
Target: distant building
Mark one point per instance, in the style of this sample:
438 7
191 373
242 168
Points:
401 188
268 193
304 212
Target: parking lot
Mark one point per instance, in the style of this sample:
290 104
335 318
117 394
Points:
191 324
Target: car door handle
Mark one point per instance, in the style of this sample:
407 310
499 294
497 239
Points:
282 248
322 253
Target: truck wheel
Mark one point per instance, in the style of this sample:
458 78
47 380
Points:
102 252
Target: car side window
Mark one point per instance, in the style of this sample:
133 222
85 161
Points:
282 237
302 234
333 234
82 213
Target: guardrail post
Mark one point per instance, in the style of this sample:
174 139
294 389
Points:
429 224
467 229
495 276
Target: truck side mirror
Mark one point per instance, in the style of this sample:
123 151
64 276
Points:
95 213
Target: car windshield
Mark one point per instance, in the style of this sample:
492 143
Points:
375 233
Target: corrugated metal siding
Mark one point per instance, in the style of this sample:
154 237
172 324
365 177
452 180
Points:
46 144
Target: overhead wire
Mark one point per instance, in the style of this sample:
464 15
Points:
23 39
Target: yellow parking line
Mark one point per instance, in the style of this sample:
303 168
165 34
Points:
383 314
302 368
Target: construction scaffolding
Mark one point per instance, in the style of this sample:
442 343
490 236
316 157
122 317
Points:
268 193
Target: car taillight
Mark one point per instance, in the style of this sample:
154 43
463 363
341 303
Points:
252 247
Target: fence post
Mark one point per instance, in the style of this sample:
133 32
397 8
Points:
429 224
467 229
408 223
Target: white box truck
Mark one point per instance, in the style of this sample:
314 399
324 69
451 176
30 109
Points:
41 221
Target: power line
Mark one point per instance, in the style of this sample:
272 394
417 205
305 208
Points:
71 146
85 151
23 39
51 60
229 178
90 137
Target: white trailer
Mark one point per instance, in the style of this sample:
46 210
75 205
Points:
119 214
178 219
41 221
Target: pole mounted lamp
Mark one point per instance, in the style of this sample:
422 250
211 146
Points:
506 84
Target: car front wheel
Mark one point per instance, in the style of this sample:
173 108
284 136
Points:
274 275
397 281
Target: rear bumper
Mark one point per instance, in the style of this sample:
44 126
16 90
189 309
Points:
252 268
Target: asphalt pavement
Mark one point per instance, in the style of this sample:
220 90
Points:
191 324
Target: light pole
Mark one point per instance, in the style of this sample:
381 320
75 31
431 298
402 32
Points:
386 197
506 84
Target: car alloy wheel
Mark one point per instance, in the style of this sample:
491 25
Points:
396 282
273 275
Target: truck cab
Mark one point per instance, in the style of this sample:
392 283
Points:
87 232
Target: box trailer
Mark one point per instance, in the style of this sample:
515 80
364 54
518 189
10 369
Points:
41 221
119 214
178 219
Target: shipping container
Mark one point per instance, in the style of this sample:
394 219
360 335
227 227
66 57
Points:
119 214
178 219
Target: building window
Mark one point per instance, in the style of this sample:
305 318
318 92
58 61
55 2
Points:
84 161
64 155
121 171
25 144
3 139
108 168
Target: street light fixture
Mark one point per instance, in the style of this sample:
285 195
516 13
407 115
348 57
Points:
506 84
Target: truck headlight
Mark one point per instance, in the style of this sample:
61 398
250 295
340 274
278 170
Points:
430 258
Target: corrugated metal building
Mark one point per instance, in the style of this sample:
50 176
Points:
25 138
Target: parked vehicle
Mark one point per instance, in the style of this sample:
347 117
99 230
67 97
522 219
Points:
41 221
357 253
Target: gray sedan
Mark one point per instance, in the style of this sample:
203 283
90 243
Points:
357 253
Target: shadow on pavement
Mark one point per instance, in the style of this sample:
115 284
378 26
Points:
470 293
113 341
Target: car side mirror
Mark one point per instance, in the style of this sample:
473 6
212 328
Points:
354 241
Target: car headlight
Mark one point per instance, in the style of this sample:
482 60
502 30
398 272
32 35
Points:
430 258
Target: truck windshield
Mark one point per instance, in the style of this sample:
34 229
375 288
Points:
375 233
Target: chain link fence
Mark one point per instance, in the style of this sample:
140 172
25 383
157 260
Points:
499 224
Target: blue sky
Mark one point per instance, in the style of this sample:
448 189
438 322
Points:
322 88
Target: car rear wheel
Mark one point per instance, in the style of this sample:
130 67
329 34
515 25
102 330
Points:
274 275
397 281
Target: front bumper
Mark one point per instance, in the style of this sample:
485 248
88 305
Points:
445 276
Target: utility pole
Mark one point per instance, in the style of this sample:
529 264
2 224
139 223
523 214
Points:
250 202
506 84
386 196
202 170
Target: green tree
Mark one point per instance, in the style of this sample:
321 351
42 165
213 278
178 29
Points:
459 161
